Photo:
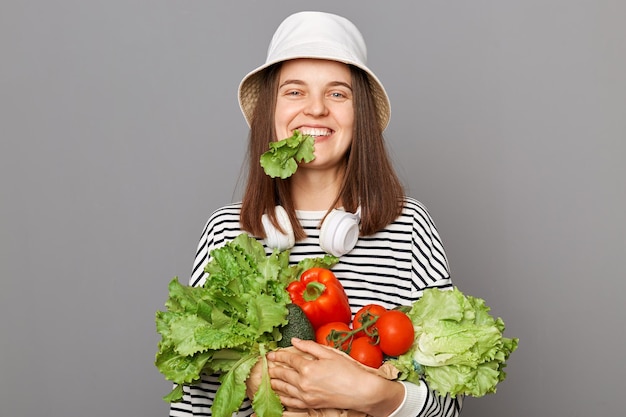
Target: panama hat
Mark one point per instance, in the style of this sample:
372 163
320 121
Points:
315 35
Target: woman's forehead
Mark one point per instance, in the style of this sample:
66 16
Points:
305 66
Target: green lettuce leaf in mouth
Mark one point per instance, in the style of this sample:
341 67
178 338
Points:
283 156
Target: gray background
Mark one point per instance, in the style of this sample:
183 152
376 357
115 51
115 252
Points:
120 133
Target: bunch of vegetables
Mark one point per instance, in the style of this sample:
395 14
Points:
225 325
251 303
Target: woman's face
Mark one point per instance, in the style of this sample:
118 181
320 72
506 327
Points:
315 97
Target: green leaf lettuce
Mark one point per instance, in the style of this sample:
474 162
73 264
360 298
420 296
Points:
224 325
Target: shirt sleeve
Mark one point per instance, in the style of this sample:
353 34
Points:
419 401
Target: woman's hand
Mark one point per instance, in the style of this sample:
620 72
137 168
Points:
328 378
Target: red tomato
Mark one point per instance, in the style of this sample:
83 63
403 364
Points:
333 335
395 331
364 314
365 352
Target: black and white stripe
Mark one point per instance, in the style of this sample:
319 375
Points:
391 268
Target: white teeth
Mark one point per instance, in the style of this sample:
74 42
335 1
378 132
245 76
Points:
316 132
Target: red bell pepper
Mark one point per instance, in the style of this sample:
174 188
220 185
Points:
321 296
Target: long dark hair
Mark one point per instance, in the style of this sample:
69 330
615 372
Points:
369 181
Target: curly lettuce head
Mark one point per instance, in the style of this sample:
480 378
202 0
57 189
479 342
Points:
459 347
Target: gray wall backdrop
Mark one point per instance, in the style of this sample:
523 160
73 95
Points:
120 133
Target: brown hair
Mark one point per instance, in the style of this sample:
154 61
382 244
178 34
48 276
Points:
370 179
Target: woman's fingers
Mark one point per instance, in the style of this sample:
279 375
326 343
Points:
315 376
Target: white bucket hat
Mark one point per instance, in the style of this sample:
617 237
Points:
315 35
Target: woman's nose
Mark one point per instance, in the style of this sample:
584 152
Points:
316 106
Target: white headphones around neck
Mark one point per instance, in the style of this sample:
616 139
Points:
338 233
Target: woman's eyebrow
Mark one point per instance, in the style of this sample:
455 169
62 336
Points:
331 84
286 82
340 84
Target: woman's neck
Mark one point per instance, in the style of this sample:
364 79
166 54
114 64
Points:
315 191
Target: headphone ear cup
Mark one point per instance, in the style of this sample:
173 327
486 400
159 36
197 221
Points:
274 238
339 232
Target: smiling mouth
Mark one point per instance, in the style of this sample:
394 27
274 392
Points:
315 132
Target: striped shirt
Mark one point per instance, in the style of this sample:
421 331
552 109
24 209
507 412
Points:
391 268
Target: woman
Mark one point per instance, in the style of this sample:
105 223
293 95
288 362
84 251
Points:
315 80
